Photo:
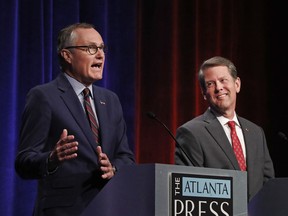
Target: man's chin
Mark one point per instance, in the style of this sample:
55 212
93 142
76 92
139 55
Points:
219 109
96 78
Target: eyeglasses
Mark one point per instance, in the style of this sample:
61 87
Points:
91 49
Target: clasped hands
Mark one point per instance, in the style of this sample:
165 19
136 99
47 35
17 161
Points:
66 149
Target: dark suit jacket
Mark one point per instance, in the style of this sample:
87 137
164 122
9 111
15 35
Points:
49 109
207 145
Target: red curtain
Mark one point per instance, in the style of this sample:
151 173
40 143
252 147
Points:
174 37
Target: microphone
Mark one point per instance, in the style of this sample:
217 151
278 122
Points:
283 136
153 116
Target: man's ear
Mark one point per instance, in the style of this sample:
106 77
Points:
238 84
66 54
204 95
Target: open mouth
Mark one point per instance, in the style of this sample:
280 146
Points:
97 65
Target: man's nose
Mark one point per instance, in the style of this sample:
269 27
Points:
218 86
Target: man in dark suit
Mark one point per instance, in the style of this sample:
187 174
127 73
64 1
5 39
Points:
206 139
57 145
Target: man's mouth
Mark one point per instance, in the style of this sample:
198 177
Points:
97 65
221 96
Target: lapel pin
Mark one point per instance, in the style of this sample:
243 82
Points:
102 102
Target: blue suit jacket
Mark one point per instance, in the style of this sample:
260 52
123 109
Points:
49 109
207 145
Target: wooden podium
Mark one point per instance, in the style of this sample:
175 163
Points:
168 190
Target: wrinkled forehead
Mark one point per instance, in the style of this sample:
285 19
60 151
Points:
86 36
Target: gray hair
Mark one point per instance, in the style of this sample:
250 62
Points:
66 37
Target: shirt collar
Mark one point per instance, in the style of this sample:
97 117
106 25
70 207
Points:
223 120
78 86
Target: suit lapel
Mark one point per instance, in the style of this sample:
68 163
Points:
74 106
215 129
249 138
100 106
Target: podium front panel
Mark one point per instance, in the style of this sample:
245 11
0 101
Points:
271 200
146 190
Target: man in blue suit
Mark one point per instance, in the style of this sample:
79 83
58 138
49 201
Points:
57 145
206 139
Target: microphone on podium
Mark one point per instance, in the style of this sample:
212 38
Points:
283 136
153 116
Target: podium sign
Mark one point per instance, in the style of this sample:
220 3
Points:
171 190
201 195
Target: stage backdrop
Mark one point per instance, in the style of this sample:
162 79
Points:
28 57
155 49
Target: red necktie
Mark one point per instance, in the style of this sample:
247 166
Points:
90 114
237 146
